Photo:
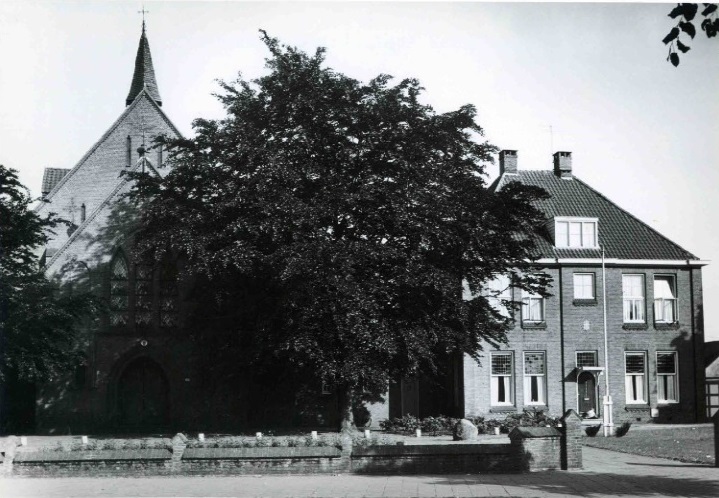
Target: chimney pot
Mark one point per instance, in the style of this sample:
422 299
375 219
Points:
508 162
563 164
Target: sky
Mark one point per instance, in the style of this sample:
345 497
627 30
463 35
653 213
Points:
587 78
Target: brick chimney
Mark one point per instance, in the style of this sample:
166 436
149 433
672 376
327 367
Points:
563 164
508 162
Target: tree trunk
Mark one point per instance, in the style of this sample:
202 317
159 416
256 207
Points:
347 422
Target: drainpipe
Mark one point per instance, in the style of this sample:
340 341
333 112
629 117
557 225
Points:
607 418
697 394
561 337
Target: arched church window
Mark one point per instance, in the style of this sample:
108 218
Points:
118 290
143 295
129 151
83 212
168 294
159 156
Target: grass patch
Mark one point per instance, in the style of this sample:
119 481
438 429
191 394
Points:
686 444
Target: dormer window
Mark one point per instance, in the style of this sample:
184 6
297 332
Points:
575 232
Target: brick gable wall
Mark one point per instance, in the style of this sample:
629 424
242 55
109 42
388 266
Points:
98 174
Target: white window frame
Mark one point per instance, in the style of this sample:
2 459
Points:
539 379
633 382
527 300
660 316
563 229
499 289
593 351
665 378
495 379
583 286
633 303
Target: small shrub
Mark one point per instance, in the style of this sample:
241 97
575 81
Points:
93 445
623 429
263 442
110 444
592 430
131 445
403 425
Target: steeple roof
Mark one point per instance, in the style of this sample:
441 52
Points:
144 76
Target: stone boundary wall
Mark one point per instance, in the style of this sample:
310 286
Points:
528 449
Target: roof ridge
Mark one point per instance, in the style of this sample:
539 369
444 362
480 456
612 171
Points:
627 213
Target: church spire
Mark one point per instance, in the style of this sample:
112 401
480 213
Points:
144 76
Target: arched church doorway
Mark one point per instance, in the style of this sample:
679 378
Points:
143 399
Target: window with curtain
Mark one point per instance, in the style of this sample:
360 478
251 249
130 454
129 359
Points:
665 299
534 378
532 308
633 297
502 381
635 377
584 286
667 386
119 290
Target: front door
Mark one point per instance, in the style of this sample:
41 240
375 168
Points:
410 396
587 392
143 396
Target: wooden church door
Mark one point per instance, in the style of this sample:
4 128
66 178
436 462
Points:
143 396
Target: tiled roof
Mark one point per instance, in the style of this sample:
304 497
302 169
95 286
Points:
51 177
144 75
620 234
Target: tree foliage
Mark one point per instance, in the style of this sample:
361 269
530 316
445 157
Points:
38 333
337 221
685 14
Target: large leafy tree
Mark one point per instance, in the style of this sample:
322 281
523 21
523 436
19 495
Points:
339 220
38 320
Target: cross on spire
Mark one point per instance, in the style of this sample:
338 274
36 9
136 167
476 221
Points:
143 12
144 75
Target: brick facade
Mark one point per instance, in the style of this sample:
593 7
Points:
573 325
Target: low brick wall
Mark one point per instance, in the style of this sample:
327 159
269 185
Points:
92 463
433 459
237 461
537 448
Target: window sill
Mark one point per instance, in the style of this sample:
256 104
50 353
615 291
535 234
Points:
503 409
637 407
584 302
666 326
635 326
538 407
666 403
534 325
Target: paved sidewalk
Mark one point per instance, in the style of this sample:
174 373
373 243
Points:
605 473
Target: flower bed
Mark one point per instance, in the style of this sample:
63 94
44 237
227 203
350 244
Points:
442 425
323 440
